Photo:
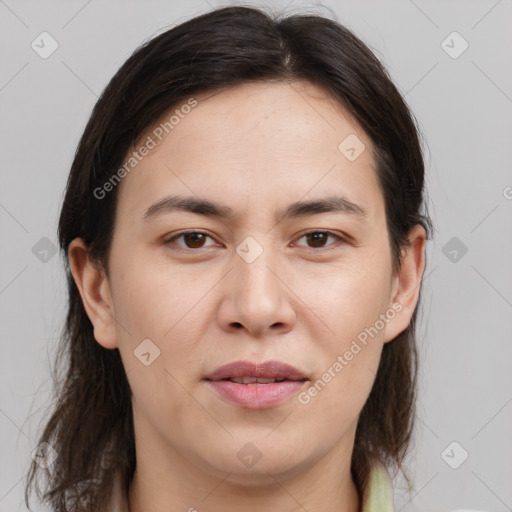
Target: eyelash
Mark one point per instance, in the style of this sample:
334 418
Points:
314 249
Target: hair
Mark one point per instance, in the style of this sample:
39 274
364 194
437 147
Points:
91 422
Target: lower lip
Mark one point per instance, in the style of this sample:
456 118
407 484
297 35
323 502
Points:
257 396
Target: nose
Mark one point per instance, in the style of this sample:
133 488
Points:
256 297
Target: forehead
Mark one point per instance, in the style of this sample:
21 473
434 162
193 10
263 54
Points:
263 112
259 140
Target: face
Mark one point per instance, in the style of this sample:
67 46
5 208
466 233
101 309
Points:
253 284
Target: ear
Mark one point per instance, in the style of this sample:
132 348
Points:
406 285
94 289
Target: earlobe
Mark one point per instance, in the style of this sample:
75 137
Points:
94 289
407 284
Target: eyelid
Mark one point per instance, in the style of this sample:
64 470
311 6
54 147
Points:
341 239
328 232
187 232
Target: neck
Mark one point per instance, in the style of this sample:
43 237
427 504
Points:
167 481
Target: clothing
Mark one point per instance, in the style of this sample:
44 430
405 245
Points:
378 496
379 493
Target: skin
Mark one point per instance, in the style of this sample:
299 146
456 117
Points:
256 148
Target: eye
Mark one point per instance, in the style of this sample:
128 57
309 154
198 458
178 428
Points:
196 239
319 238
192 239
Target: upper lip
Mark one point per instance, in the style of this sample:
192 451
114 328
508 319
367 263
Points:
264 370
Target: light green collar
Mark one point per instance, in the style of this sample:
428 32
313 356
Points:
379 493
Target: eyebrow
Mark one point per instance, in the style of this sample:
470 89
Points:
331 204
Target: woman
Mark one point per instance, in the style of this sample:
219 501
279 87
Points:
244 238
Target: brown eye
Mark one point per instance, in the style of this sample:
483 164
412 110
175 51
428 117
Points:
318 239
192 239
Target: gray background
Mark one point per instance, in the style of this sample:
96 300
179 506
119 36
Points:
464 106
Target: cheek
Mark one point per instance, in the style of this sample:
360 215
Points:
347 297
349 300
348 368
154 304
150 299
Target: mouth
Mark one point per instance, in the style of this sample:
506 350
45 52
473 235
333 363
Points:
265 372
248 372
258 380
256 385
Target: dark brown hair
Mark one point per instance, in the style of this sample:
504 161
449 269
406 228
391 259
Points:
91 425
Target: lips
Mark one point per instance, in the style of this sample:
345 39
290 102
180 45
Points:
256 385
248 372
